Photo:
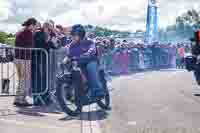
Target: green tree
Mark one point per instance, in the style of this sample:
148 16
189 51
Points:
10 41
3 37
184 27
10 35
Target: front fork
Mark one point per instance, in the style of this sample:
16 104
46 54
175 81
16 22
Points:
78 84
103 79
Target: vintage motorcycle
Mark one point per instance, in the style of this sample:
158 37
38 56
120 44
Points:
190 62
72 89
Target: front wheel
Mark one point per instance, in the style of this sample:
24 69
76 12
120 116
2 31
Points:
105 102
66 96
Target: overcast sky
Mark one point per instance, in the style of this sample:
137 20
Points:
115 14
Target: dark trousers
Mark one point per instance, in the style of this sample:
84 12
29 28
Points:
197 73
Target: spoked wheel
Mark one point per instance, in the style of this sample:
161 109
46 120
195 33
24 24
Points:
66 96
105 102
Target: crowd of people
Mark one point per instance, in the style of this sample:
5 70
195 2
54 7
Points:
116 56
31 65
128 56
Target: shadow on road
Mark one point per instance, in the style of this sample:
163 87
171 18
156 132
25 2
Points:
88 116
7 112
36 111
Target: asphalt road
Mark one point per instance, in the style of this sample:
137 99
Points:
158 99
161 99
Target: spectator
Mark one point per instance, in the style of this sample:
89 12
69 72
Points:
173 60
181 54
44 39
38 26
24 39
124 59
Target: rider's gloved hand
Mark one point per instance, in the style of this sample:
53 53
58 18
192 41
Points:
65 60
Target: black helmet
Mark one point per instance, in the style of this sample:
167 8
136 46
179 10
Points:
78 30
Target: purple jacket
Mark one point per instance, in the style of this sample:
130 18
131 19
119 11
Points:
83 50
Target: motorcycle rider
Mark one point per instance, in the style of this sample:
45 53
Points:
196 54
85 52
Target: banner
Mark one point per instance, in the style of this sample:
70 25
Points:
151 30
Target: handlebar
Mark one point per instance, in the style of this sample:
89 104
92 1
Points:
69 59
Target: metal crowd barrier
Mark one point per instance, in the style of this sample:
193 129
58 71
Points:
24 69
135 60
55 58
39 68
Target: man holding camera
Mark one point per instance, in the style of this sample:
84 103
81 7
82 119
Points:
45 38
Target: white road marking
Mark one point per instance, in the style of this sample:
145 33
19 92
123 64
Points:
137 76
150 74
172 74
132 123
91 126
165 109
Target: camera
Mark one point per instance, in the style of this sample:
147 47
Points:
56 42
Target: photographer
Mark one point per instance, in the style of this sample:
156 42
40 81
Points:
46 39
